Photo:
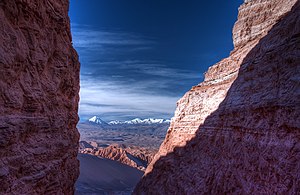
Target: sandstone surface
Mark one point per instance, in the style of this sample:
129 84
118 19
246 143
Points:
238 132
39 85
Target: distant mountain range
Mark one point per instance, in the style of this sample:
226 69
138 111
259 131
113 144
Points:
138 132
98 120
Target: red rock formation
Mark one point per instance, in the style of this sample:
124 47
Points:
238 132
134 156
115 152
39 84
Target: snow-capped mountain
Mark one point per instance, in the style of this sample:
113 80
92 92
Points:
97 120
151 121
115 122
141 121
135 121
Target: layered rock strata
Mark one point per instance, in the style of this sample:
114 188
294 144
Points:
238 132
39 85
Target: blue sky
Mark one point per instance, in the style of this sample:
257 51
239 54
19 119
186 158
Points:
139 57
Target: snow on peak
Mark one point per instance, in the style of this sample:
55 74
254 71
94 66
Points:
115 122
134 121
152 120
97 120
141 121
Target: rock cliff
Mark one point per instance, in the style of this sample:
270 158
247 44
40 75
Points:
39 85
238 132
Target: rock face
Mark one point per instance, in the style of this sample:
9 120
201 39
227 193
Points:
238 132
39 85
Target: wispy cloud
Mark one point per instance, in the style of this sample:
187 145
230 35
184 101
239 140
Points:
87 37
160 70
130 100
118 82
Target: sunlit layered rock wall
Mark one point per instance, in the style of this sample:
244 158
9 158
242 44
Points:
239 130
39 85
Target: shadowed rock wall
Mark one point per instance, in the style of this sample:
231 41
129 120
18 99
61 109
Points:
39 85
238 132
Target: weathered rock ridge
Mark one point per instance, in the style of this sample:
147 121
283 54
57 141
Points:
39 85
134 156
238 132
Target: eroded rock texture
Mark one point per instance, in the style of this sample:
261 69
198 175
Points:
238 132
39 84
